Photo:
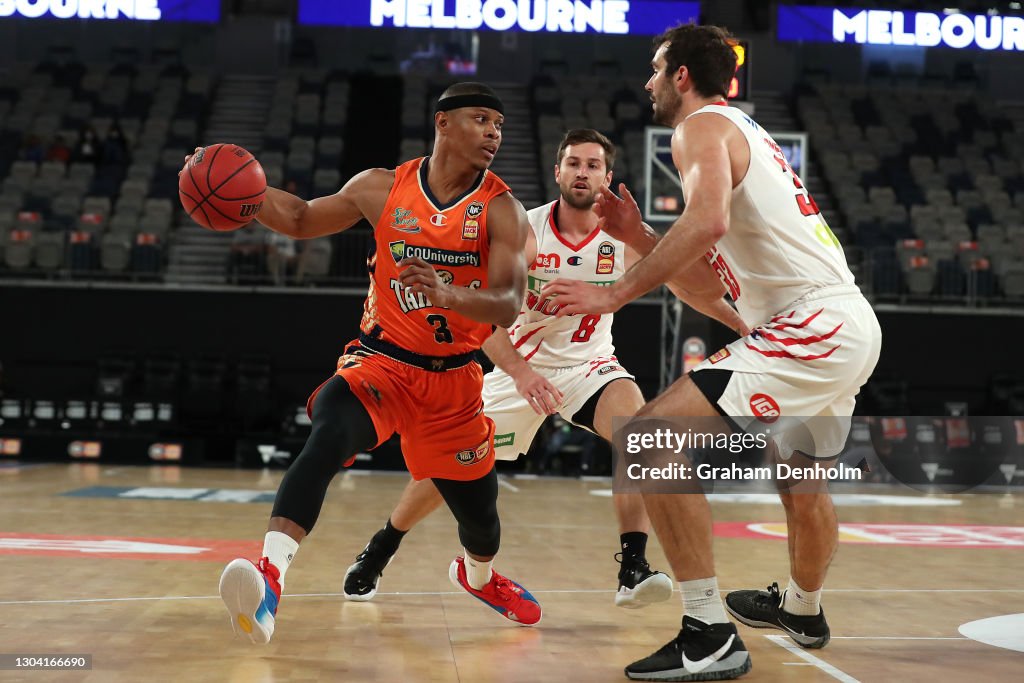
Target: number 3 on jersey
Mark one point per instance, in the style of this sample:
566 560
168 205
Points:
442 335
586 328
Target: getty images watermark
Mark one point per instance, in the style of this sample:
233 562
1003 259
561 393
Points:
806 455
666 440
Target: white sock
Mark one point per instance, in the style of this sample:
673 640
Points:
280 549
798 601
478 572
702 600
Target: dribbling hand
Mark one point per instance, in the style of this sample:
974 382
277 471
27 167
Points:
188 158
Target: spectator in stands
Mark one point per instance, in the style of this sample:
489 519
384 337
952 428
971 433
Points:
87 148
115 147
248 253
32 149
59 150
281 257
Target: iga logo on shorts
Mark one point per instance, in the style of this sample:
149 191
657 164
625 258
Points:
471 456
765 408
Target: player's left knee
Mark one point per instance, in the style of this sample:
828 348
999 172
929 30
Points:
481 536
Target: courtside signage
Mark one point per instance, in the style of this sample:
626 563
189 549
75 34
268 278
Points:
639 17
175 493
134 10
884 27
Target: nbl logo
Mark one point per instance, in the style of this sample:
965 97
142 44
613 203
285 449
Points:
605 258
249 210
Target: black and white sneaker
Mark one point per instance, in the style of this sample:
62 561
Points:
363 578
639 586
701 652
763 609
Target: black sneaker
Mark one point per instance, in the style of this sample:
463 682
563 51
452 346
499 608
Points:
763 609
701 652
638 585
363 578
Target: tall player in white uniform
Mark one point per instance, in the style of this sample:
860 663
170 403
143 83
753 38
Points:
547 364
816 341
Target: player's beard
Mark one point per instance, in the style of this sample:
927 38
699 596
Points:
582 203
666 105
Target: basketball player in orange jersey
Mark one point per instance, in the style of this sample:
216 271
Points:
815 342
449 265
547 365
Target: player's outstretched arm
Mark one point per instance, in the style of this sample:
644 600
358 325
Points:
701 153
706 169
363 196
499 302
700 288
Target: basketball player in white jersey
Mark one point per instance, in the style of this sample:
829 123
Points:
547 364
816 341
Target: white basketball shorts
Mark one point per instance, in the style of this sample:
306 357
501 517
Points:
807 363
515 422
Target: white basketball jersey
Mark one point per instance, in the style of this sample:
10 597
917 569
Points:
778 247
537 334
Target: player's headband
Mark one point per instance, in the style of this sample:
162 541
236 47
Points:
476 100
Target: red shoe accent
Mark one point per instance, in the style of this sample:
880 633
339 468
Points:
349 462
503 595
272 574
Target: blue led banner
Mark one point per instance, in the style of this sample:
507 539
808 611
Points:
883 27
637 17
207 11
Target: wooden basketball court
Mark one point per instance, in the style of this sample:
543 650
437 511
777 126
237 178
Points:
115 570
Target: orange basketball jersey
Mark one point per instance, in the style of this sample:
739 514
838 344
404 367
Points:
450 237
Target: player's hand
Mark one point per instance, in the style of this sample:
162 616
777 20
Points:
188 158
620 218
541 394
420 277
573 296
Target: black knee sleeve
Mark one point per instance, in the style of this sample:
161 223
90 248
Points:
341 428
475 507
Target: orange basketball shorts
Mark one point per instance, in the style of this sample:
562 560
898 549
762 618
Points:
438 415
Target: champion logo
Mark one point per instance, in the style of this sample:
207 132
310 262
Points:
575 260
765 408
438 220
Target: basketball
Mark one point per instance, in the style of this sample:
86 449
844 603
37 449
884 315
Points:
222 187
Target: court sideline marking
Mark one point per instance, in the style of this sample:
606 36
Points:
783 642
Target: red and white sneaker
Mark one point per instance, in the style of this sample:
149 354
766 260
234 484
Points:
503 595
251 592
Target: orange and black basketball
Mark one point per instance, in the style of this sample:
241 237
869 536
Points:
222 187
